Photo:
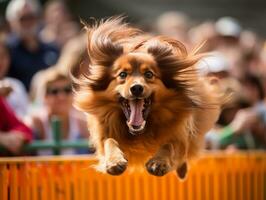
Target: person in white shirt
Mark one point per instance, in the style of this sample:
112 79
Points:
55 99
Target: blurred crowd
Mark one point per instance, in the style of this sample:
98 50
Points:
40 43
237 58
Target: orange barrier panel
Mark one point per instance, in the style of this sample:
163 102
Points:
216 176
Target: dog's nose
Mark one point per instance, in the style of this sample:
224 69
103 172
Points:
137 90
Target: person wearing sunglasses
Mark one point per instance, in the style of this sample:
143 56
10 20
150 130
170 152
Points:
55 93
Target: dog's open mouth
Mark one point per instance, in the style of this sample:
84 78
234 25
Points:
136 112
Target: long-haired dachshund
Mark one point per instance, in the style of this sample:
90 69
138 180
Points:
146 103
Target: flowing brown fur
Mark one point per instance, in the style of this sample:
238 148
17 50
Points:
184 106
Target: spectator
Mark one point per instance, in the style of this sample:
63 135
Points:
13 133
10 88
72 54
214 65
204 32
56 95
237 101
4 28
59 26
174 24
242 122
28 53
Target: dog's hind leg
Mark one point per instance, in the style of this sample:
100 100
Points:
182 170
115 162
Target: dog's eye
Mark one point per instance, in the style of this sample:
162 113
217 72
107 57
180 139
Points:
123 75
148 74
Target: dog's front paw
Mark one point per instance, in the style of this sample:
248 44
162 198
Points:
116 168
158 166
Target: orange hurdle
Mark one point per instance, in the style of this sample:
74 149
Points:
216 176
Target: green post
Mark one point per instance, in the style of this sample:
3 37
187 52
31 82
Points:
56 130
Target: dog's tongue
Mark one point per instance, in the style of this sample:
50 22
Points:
136 107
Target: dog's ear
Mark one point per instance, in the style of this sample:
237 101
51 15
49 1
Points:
175 64
162 46
105 40
172 57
